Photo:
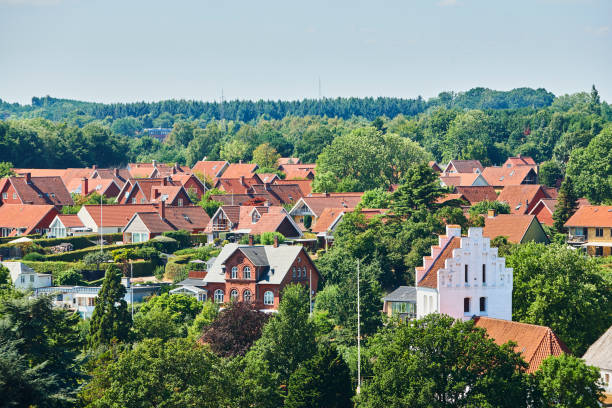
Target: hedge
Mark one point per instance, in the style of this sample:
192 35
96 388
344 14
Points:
79 254
140 268
4 240
199 239
79 242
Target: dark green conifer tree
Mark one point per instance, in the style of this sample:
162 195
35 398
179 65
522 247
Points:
567 204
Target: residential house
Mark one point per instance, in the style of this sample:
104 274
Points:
153 190
259 273
252 220
24 277
544 210
517 228
40 172
34 190
600 356
240 185
191 183
85 186
463 166
258 194
435 167
144 226
304 185
154 169
237 170
591 227
464 277
287 160
462 179
534 343
209 170
522 198
67 225
108 219
193 286
476 194
330 218
119 176
302 171
20 219
401 303
313 205
501 177
520 160
268 177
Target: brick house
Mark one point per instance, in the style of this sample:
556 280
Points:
21 219
48 190
152 191
259 273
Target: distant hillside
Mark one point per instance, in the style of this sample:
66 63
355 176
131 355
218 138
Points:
370 108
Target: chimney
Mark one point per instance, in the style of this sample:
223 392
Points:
275 241
326 194
28 177
250 240
491 213
267 186
84 186
116 171
154 163
162 209
242 181
240 161
164 181
94 167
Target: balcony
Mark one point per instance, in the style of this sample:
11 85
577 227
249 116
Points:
576 239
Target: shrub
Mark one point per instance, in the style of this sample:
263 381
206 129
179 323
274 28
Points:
164 244
34 256
183 237
175 272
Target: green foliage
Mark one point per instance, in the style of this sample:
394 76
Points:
267 238
209 205
110 320
34 256
563 289
420 188
265 156
182 307
6 169
69 277
439 362
182 237
550 172
484 206
375 198
323 381
567 204
155 373
567 382
5 275
164 244
209 313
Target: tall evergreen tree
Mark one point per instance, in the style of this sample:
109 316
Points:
567 204
110 319
420 189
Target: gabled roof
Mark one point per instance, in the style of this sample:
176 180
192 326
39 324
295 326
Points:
504 176
240 185
267 177
534 342
464 166
435 167
600 352
287 160
28 216
591 216
520 161
70 220
304 185
279 193
460 179
235 170
116 215
319 203
521 197
40 172
212 169
548 203
40 190
141 170
298 171
189 218
402 294
328 218
98 185
76 174
183 178
120 176
164 170
476 194
513 226
449 197
430 276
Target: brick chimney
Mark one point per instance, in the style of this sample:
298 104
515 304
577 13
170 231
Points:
84 186
116 171
491 213
267 186
162 210
28 177
275 241
164 181
242 181
94 167
250 240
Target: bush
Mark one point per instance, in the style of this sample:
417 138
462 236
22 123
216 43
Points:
175 272
69 277
79 254
183 237
164 244
34 256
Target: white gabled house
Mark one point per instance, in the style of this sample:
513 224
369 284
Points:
464 277
24 277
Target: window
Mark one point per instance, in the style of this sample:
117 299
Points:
466 273
466 305
299 271
483 304
143 201
5 196
14 196
299 259
218 296
304 271
22 279
294 271
233 295
246 272
599 232
598 251
31 278
247 296
484 273
180 202
234 274
134 200
268 298
399 307
255 217
607 378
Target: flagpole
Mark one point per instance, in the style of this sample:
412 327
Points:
358 335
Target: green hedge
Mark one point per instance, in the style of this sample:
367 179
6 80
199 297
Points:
140 268
199 239
79 254
4 240
79 242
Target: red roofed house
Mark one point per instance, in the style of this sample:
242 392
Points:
330 218
591 227
462 179
85 186
110 219
239 185
520 161
191 183
153 190
67 225
209 169
252 220
258 274
522 198
517 228
304 185
463 166
434 166
544 210
20 219
287 160
500 177
464 277
533 342
302 171
237 170
476 194
144 226
313 205
34 190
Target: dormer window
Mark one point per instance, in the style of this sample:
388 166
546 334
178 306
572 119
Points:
255 217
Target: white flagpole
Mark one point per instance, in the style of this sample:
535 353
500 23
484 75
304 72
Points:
310 291
358 335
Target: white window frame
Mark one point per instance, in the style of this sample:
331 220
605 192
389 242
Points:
268 297
234 273
247 296
219 295
234 295
246 272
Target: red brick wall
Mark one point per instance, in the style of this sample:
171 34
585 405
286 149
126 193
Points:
182 194
9 190
46 221
191 183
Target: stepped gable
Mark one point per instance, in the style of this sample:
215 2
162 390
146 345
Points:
427 275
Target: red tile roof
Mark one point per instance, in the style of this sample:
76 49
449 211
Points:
190 218
267 177
430 278
40 190
116 215
327 217
211 169
279 193
513 226
476 194
533 342
18 216
521 198
299 171
450 196
459 179
507 176
304 185
464 166
520 161
236 170
70 220
319 203
591 216
287 160
240 185
40 172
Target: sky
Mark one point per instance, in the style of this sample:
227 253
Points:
150 50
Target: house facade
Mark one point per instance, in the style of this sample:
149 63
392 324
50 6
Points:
26 219
464 277
591 227
517 228
67 225
24 277
600 356
48 190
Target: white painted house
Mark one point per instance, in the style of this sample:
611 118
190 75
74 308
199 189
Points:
24 277
464 277
600 356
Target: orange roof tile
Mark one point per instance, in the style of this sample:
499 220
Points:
591 216
70 220
304 185
476 194
534 342
521 198
287 160
318 203
506 176
235 170
459 179
40 190
41 172
116 215
212 169
327 217
26 216
464 166
298 171
513 226
520 161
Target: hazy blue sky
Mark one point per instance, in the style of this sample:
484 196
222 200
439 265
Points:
129 50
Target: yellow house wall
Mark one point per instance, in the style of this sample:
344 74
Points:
606 235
